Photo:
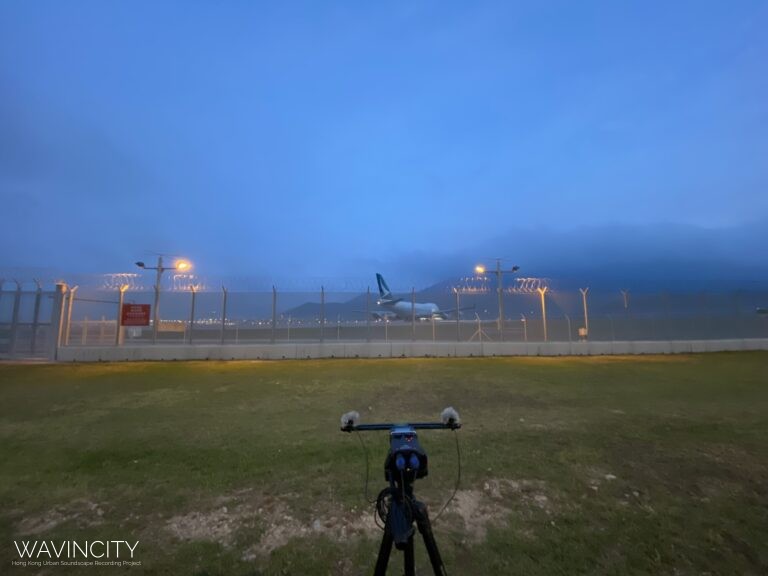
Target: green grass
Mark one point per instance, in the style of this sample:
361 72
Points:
156 451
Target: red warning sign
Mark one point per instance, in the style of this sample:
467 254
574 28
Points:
135 315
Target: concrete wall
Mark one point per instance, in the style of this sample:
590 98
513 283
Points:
395 350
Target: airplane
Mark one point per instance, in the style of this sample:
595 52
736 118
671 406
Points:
398 308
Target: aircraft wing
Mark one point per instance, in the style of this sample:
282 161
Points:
455 310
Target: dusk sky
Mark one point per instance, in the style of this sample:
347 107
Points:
292 139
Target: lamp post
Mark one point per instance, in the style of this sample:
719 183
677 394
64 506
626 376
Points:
181 265
586 313
481 269
541 292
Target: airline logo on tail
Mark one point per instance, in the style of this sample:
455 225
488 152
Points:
384 291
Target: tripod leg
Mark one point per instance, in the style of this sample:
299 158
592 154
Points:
384 550
425 527
410 560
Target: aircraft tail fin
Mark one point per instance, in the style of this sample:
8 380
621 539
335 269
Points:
383 288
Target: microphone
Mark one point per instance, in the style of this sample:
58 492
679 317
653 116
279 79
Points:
450 417
349 420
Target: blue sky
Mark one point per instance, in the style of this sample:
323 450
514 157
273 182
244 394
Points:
340 138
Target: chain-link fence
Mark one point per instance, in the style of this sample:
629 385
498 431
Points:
25 319
541 314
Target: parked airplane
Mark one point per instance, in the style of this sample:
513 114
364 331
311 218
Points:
404 309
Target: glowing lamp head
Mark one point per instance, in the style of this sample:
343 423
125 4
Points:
480 269
182 265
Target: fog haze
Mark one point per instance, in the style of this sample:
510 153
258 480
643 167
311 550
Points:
306 140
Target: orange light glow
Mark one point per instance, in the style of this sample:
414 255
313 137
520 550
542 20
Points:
182 265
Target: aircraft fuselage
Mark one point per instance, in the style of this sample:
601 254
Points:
406 310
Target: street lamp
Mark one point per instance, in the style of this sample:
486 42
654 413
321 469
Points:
586 313
542 292
183 265
481 270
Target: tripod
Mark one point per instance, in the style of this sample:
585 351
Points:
396 504
399 509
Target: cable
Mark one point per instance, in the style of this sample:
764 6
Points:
367 469
382 509
458 477
377 512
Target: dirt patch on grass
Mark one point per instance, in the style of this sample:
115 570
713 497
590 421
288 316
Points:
222 520
219 525
481 509
276 523
339 528
82 512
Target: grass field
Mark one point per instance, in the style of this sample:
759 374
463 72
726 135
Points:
641 465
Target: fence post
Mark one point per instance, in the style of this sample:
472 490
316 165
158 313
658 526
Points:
156 308
368 315
192 289
120 299
458 320
500 289
15 317
413 313
70 300
524 320
322 313
223 312
628 324
57 321
36 317
274 313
